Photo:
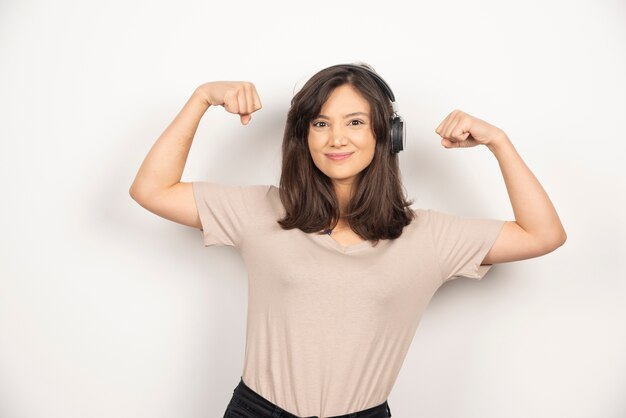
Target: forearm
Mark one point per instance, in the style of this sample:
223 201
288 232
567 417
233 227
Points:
163 166
532 208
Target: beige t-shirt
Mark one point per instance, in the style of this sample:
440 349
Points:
328 326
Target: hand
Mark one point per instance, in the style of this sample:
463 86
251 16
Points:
238 97
460 130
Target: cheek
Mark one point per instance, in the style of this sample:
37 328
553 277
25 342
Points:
313 151
312 143
370 147
316 144
371 151
370 158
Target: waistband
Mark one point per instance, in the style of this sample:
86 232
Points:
247 394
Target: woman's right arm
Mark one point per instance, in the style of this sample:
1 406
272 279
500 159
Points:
157 186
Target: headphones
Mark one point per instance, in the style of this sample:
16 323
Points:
398 130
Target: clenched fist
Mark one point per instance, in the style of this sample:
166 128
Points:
461 130
238 97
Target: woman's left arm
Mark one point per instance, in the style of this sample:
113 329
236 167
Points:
537 229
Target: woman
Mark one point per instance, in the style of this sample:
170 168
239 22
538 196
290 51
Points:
340 267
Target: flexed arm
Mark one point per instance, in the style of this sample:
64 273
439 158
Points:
537 229
157 186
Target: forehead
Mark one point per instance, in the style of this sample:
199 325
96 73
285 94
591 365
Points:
345 99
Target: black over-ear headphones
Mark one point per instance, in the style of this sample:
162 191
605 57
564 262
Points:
398 130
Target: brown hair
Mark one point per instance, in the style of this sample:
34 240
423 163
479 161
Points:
378 208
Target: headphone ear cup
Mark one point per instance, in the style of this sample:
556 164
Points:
397 134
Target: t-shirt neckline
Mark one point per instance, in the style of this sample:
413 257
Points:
345 248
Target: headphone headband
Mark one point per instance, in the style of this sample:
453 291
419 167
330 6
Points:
379 80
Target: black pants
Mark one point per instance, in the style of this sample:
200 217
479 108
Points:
246 403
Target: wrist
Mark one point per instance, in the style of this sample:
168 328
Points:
200 95
499 142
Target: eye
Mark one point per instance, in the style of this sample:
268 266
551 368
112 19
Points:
355 122
319 124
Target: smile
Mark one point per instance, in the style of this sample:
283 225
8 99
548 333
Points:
339 156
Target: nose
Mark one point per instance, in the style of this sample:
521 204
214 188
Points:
338 137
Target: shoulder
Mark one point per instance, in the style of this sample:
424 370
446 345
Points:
246 197
207 187
422 216
434 216
443 223
418 224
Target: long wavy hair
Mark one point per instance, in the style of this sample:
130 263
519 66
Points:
378 208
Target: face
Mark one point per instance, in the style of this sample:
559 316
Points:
341 139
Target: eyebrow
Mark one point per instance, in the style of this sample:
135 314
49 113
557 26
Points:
349 115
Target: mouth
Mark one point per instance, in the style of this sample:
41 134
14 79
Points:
339 156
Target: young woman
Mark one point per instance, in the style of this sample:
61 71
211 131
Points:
340 266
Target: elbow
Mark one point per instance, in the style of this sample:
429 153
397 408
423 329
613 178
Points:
132 193
138 191
553 241
136 194
562 238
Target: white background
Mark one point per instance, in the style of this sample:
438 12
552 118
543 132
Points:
107 310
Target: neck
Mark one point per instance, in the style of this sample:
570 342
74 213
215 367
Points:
343 193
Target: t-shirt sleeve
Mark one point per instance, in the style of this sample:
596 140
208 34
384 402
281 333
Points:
226 211
461 243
